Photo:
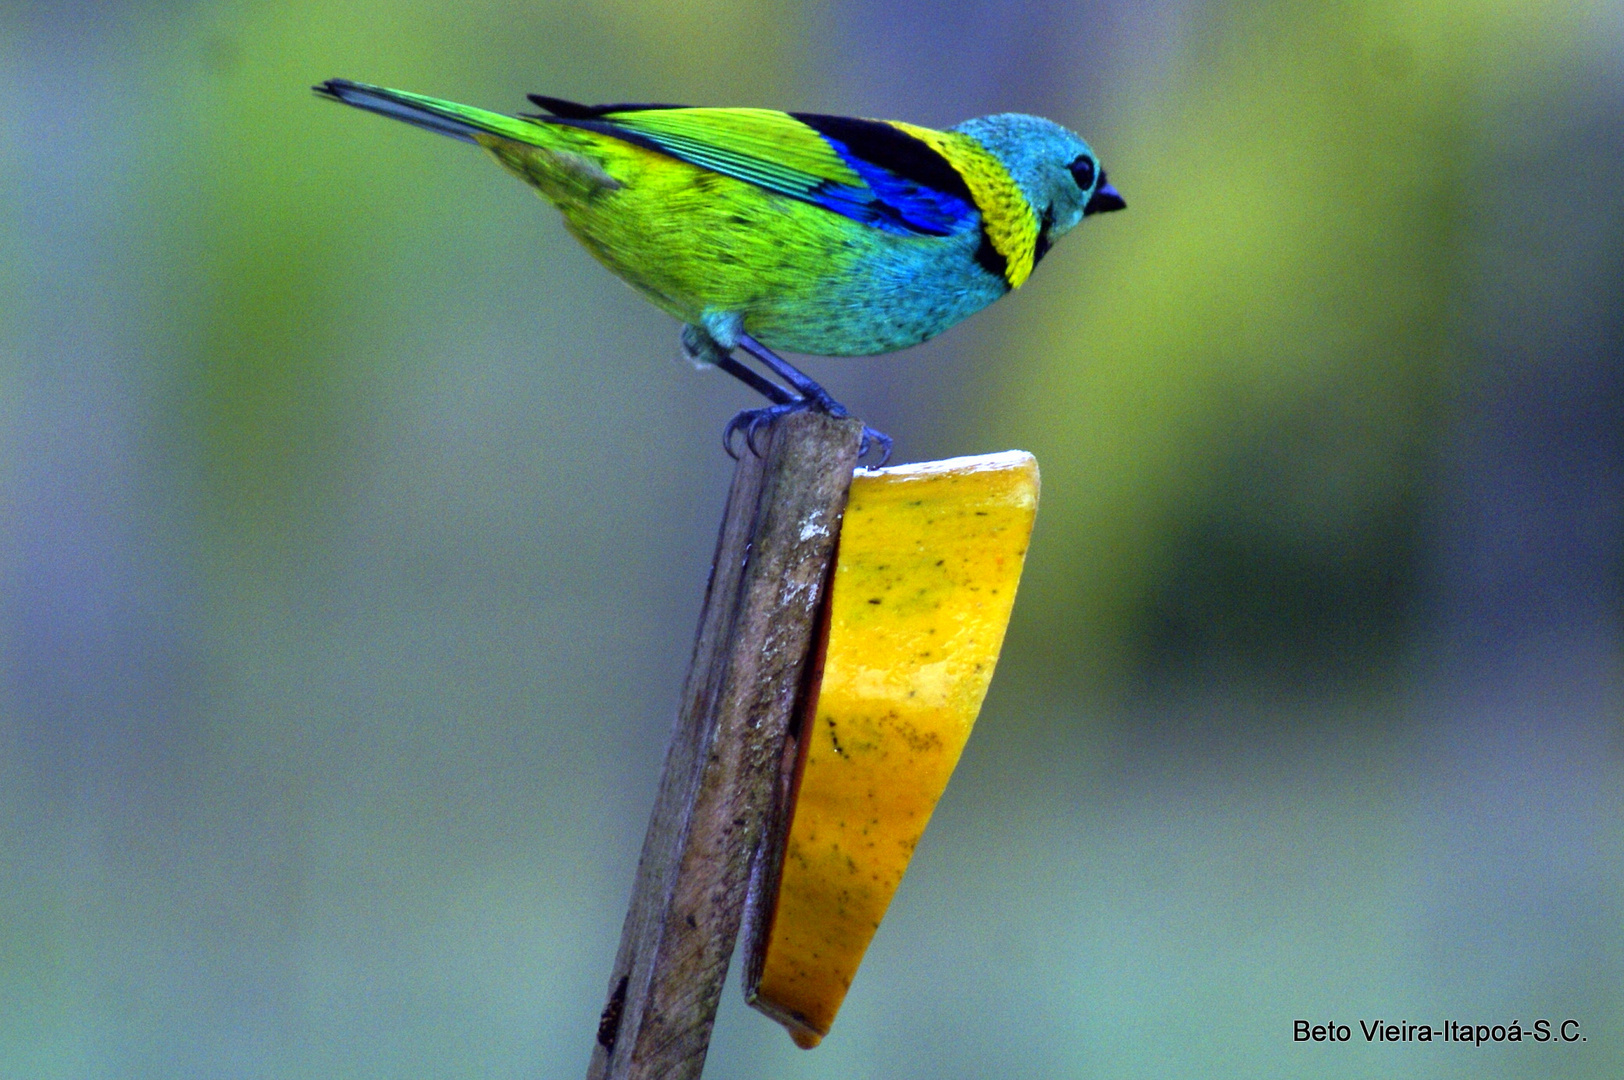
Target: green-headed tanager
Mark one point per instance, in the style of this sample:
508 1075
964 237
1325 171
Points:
762 229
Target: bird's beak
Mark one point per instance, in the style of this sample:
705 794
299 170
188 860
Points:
1105 198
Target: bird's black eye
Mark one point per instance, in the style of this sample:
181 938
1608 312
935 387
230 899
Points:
1082 171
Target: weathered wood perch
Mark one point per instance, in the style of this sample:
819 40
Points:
719 788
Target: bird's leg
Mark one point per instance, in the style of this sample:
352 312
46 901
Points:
812 396
803 383
699 343
702 346
750 420
765 387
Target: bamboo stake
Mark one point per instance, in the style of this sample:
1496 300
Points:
721 772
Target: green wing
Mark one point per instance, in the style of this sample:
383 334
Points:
765 147
867 170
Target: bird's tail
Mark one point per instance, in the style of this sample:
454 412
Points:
447 117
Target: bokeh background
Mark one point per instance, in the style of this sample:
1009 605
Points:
353 527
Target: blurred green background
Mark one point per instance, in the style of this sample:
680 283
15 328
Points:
353 526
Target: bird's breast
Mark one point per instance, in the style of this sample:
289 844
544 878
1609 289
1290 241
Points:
895 293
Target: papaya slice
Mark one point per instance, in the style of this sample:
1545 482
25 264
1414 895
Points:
929 559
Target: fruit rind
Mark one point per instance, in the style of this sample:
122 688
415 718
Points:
930 556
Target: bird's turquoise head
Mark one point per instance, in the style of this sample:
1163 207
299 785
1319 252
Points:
1056 171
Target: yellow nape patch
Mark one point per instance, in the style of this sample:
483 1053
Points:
925 578
1008 218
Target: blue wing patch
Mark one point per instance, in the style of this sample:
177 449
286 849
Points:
896 203
918 189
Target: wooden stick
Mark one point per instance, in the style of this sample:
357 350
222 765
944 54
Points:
755 633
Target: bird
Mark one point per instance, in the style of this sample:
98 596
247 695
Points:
762 230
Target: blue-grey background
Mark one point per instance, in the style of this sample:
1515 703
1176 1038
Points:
353 526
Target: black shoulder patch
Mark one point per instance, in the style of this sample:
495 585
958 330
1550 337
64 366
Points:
892 149
571 110
1040 248
992 260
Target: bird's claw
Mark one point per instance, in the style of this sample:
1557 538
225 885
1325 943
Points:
751 421
872 440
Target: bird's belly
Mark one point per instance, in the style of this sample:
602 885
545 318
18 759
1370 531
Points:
803 278
902 292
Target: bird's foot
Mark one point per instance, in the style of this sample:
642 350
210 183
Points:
751 421
802 393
